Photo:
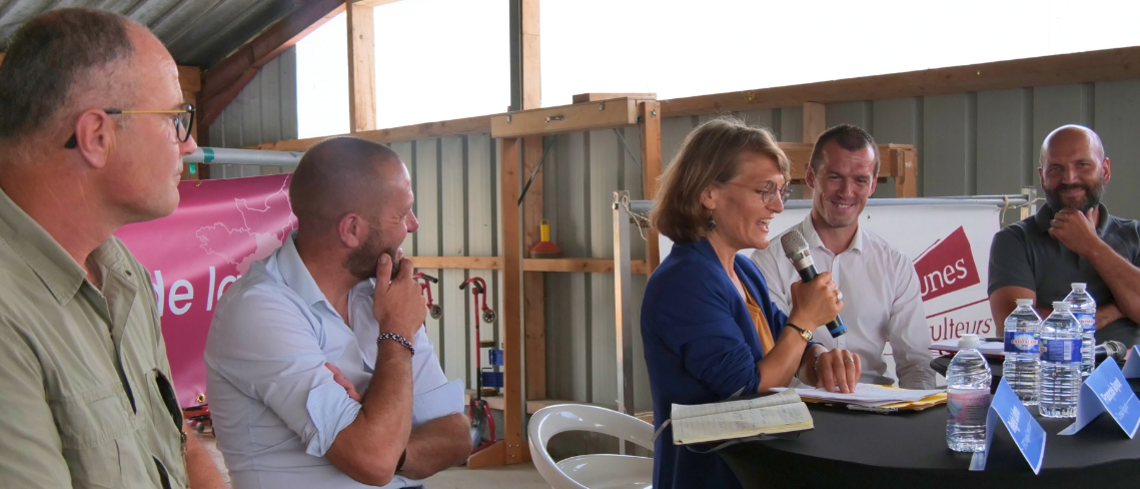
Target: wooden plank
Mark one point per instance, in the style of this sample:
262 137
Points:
578 265
566 118
534 284
905 169
1089 66
372 3
583 98
454 127
361 69
815 121
512 301
531 75
189 78
222 83
492 456
481 219
650 113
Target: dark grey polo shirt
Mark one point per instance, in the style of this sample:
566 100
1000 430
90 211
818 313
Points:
1024 255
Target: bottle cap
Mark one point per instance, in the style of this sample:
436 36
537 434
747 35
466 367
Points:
1079 286
968 341
1025 302
1061 306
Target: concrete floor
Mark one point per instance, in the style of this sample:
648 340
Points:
522 476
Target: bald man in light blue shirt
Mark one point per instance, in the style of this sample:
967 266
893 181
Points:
318 374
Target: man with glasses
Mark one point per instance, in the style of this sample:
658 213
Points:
880 287
92 133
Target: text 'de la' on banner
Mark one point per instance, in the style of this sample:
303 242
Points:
219 229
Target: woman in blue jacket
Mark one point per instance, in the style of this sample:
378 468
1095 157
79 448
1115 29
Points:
709 329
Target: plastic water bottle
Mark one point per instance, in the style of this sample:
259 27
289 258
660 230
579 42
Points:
1060 363
1083 307
968 389
1022 332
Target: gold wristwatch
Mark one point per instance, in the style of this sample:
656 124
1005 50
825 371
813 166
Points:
803 332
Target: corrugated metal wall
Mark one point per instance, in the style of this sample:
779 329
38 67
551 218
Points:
974 143
455 180
264 111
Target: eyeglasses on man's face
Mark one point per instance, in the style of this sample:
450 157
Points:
183 120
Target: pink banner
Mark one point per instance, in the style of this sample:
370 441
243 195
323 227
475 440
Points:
219 229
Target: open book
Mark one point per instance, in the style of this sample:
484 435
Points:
778 413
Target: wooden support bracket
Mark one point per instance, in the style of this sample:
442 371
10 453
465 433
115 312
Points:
567 118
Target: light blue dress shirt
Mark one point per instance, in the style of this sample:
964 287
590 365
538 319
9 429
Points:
275 406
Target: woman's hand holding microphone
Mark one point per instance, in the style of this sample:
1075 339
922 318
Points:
815 303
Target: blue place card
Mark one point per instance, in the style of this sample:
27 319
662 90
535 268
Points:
1025 431
1132 363
1106 390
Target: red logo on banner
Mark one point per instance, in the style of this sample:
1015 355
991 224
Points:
947 266
220 228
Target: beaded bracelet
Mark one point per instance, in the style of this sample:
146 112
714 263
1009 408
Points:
398 339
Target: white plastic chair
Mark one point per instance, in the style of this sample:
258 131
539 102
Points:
591 471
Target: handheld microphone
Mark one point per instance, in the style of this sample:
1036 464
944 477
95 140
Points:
1110 349
796 249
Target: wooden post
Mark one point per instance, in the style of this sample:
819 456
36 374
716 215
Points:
514 410
906 172
361 68
650 114
815 123
534 285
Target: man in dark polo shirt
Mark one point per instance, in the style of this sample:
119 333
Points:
1071 239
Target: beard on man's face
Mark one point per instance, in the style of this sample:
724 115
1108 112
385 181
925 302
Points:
362 262
1092 197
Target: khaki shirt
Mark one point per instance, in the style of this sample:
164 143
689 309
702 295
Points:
85 395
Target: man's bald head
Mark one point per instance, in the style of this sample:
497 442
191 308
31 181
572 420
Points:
1072 135
339 176
1074 170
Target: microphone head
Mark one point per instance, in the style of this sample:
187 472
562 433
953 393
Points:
794 244
1116 350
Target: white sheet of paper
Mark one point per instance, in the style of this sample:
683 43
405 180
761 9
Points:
865 394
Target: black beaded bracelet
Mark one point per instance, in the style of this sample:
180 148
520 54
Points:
398 339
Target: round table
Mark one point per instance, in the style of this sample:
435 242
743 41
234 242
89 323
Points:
908 450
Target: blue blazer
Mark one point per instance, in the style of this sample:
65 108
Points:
701 346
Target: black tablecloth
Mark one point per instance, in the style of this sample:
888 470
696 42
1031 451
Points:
859 449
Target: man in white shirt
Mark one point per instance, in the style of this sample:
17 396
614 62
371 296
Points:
319 371
880 287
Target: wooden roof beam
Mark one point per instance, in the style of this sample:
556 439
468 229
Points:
222 83
1062 69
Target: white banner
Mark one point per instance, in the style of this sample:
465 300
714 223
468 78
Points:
950 248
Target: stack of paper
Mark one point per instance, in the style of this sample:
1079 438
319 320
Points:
992 348
865 395
779 413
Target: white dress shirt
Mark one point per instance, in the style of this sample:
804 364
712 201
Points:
881 303
275 406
